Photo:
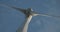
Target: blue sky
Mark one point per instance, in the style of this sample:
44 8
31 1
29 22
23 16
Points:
11 19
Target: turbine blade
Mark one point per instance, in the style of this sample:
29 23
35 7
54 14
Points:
49 15
38 14
18 8
35 14
13 7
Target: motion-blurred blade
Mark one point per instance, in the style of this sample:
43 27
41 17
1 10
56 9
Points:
49 15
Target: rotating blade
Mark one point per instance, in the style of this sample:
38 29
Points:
48 15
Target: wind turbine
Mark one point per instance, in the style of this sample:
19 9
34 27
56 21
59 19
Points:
29 13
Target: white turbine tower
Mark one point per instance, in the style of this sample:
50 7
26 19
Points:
28 13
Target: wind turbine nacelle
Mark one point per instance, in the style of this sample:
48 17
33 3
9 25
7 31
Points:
29 9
